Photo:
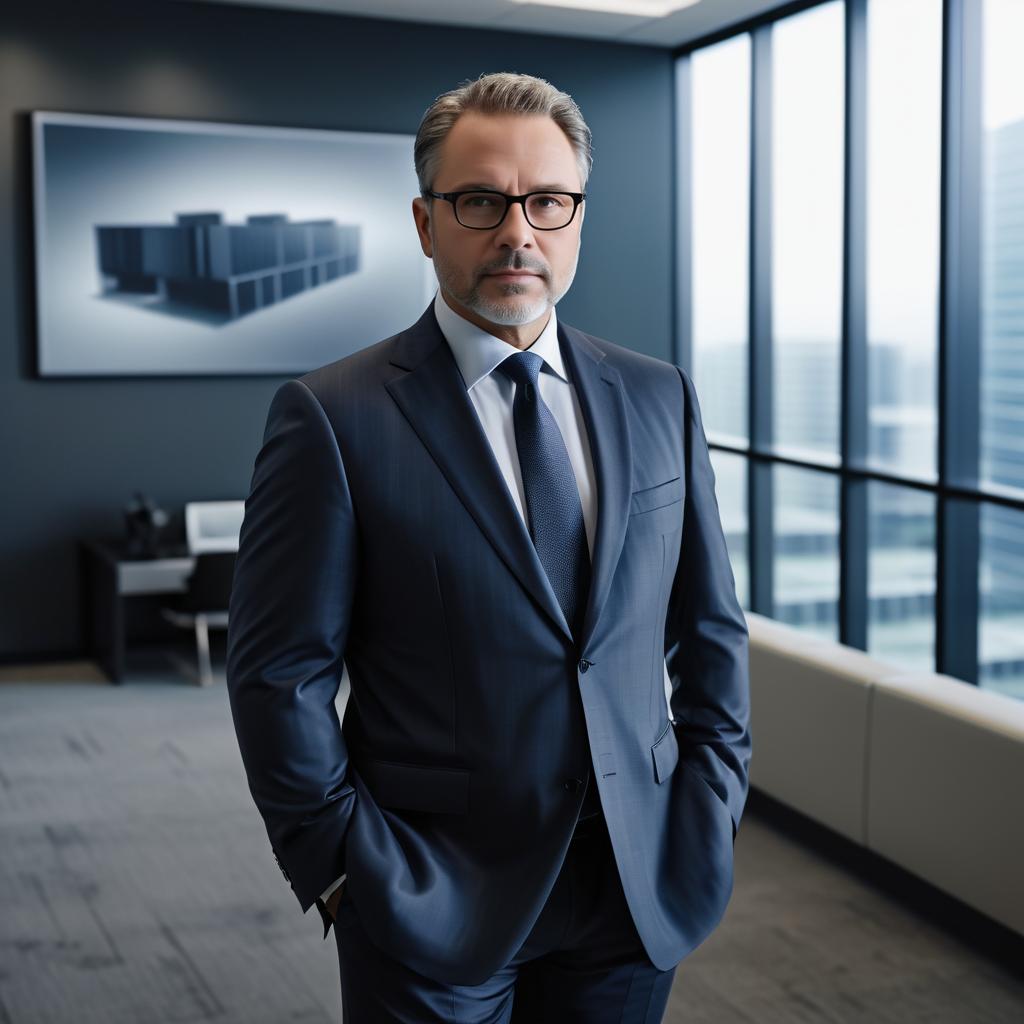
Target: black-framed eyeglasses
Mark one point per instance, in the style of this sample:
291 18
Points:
482 209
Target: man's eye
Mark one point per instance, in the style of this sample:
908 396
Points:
480 202
549 202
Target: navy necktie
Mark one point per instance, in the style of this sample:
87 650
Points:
554 511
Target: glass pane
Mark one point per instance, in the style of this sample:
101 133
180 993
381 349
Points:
904 159
901 576
1002 266
720 215
1001 630
807 229
806 550
731 492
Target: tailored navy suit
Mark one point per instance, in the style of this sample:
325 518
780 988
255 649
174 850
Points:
380 533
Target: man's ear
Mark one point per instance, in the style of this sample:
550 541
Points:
421 215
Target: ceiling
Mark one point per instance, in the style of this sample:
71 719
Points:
684 26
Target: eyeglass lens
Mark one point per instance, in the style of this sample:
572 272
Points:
543 210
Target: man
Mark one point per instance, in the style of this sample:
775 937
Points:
507 530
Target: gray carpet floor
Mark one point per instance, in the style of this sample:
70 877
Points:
137 885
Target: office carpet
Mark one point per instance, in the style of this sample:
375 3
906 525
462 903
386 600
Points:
137 886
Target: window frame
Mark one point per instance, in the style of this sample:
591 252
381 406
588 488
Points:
958 491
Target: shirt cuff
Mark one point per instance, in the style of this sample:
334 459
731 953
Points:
326 894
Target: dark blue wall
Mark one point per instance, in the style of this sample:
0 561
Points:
73 451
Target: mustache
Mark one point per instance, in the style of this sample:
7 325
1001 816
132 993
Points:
517 263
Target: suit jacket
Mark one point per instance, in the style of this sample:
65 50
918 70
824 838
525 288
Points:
379 535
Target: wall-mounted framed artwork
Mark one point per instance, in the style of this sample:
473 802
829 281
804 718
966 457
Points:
168 247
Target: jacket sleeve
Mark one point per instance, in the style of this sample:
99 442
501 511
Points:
706 634
288 620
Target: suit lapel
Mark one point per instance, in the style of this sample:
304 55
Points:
599 390
433 398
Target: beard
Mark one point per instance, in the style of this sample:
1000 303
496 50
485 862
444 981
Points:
515 306
512 309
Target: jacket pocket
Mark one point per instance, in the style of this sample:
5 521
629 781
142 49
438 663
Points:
650 498
666 753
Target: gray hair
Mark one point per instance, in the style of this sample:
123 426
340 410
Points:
503 92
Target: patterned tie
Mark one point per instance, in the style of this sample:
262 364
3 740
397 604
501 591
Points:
554 511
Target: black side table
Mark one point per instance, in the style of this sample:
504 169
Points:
111 575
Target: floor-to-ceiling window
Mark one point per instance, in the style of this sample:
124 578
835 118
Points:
806 119
1001 585
852 231
807 233
903 161
719 287
720 227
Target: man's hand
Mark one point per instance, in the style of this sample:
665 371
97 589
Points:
334 899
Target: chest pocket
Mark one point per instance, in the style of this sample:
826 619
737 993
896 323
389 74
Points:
659 496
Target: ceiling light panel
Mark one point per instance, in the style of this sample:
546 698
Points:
632 8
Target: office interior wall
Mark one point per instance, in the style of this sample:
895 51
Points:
74 450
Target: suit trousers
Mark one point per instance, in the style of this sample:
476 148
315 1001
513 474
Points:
582 963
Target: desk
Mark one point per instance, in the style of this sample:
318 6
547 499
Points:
110 577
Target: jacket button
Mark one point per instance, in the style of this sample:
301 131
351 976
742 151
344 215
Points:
584 664
572 784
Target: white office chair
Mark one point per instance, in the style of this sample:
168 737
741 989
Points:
211 530
213 525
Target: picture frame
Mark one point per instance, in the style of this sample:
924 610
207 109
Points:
200 248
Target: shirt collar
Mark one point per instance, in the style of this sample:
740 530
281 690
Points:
478 353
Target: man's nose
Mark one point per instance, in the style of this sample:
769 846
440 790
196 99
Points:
514 232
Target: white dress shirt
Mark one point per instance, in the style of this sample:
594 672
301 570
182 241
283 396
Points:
478 354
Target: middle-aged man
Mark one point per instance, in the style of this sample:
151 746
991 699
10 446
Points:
507 530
